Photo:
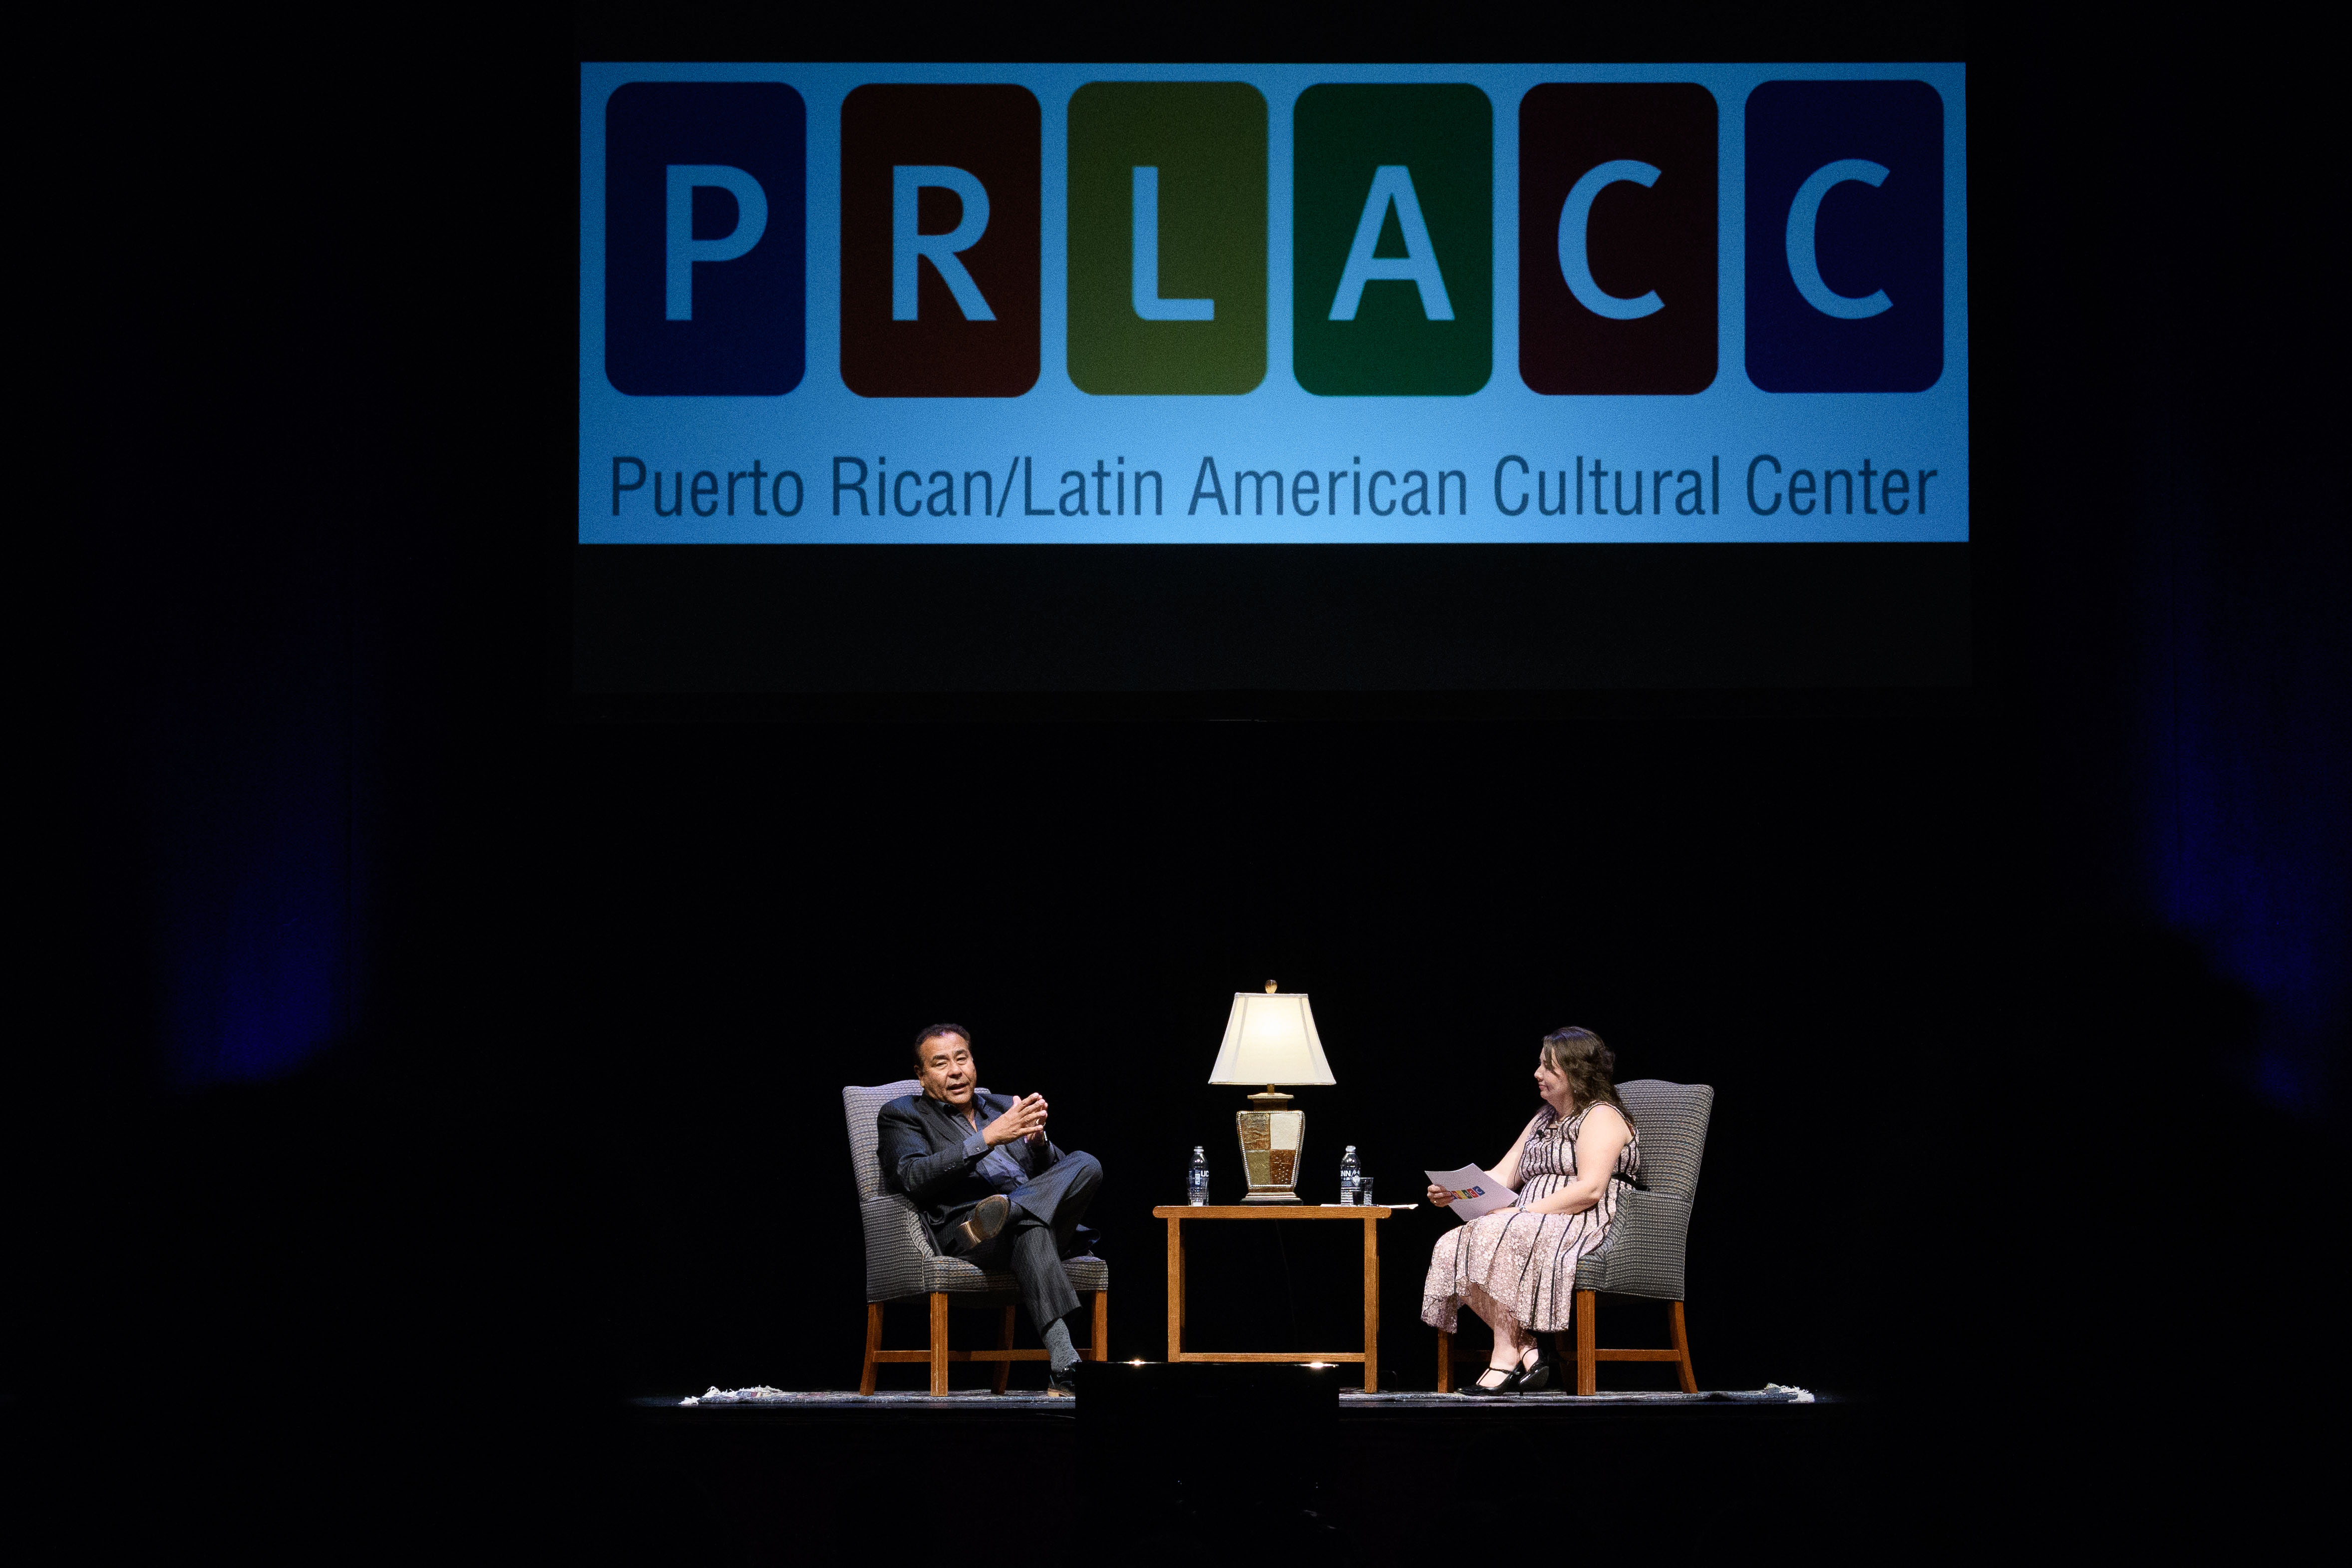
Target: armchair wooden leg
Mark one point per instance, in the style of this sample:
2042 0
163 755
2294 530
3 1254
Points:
1587 1371
872 1344
1003 1342
939 1341
1682 1347
1102 1326
1445 1362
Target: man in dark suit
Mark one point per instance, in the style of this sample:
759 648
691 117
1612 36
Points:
992 1187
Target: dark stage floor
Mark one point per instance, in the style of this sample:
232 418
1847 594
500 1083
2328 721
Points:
1396 1476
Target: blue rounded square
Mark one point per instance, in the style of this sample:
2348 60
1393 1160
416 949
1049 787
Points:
706 249
1845 236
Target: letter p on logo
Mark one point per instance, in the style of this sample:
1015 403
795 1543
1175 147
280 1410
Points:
681 250
705 238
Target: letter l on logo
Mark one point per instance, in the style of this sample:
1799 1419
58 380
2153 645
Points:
1145 263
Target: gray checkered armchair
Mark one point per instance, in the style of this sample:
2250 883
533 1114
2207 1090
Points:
1642 1254
902 1262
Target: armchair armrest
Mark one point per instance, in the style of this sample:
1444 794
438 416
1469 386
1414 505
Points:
896 1243
1643 1255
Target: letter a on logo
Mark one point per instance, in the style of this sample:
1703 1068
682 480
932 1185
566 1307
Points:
1393 231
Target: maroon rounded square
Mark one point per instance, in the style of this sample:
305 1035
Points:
993 133
1661 238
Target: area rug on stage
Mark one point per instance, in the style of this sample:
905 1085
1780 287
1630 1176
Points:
1770 1394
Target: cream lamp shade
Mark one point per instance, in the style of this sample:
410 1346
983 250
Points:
1270 1038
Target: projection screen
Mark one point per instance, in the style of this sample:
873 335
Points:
1021 336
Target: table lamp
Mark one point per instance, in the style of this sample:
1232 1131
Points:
1271 1040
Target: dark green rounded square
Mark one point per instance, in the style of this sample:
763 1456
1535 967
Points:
1443 134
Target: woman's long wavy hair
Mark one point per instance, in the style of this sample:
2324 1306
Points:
1580 1056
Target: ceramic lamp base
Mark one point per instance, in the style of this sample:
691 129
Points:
1273 1137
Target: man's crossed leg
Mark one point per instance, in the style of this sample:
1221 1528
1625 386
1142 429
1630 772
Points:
1030 1232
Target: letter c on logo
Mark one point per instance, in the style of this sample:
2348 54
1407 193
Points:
1804 212
1576 265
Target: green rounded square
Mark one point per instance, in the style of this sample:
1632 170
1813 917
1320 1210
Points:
1208 142
1443 135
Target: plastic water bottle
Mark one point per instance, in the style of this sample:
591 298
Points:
1351 1176
1196 1180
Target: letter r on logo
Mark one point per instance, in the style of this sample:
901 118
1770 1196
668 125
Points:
940 240
911 246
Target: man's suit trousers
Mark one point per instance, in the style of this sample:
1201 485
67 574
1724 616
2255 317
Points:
1045 1213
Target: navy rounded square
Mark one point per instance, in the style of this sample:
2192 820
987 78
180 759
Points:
747 336
1866 239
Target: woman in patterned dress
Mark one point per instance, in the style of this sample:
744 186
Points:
1516 1267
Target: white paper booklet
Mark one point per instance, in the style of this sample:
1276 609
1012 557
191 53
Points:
1474 1192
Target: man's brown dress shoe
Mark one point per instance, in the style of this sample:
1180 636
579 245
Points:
988 1217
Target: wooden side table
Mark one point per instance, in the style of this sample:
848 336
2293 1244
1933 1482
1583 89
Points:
1370 1216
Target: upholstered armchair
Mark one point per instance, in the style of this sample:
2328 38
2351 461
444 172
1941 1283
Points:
902 1262
1642 1254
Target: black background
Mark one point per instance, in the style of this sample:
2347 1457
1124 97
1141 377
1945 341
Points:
1989 1145
1252 631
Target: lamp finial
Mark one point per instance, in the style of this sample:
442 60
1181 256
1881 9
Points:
1269 987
